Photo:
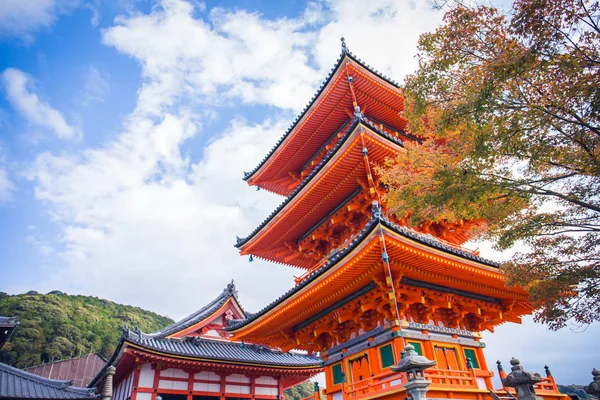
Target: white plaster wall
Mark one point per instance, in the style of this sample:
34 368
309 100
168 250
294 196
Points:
146 376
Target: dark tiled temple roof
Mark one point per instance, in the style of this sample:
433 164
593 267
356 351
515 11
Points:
79 369
427 240
17 384
7 328
318 168
223 351
339 62
201 314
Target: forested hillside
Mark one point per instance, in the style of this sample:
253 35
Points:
57 325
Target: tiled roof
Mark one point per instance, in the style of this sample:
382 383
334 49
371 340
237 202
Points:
80 369
319 167
8 322
342 252
201 314
7 328
345 53
17 384
218 350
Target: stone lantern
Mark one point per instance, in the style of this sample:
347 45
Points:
414 365
522 381
594 387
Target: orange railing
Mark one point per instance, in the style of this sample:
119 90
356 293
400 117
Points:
445 377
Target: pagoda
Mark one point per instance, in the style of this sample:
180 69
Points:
194 359
370 285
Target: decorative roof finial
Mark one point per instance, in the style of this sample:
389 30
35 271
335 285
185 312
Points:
344 47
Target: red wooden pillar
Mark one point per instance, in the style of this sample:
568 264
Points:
223 376
136 381
190 384
280 388
252 385
155 382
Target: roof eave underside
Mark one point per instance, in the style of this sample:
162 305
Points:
242 243
339 256
316 98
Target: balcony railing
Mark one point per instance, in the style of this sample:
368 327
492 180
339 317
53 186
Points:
450 379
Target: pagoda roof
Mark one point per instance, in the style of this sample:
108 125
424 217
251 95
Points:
18 384
378 95
333 260
225 352
349 132
229 293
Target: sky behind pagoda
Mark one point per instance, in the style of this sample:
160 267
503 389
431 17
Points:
125 127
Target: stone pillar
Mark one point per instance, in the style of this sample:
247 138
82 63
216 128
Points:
594 387
414 365
107 388
522 381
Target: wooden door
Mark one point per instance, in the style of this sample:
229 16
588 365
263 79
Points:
360 370
446 358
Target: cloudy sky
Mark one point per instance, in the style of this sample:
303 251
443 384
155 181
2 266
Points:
125 128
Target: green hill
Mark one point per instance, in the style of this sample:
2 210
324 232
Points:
575 389
58 325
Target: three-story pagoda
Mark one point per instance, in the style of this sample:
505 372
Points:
371 285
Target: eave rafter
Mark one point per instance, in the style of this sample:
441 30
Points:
344 172
416 303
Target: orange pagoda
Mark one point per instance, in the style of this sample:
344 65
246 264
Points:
370 284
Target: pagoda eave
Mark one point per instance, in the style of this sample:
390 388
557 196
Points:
338 175
415 264
332 104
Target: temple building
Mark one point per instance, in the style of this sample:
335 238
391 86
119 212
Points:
7 328
371 285
16 384
80 369
195 359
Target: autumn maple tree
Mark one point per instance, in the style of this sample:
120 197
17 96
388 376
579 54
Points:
506 106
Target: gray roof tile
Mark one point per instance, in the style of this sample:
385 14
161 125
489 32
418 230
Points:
17 384
225 351
201 314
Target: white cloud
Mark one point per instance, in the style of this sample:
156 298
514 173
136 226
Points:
144 224
22 18
96 86
37 112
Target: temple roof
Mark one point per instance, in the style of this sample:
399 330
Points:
351 128
80 369
198 316
17 384
7 328
333 260
377 93
223 351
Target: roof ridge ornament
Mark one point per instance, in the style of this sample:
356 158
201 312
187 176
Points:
344 46
231 289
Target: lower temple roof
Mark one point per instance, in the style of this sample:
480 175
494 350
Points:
17 384
223 351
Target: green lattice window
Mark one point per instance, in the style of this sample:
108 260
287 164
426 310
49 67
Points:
470 355
417 346
387 355
336 372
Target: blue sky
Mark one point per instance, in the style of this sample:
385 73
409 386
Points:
125 127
